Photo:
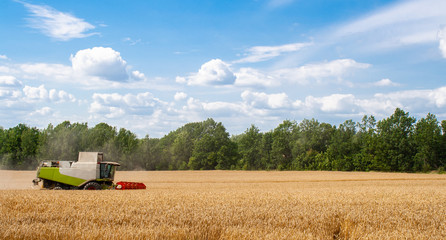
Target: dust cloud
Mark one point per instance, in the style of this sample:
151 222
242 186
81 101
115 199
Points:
17 179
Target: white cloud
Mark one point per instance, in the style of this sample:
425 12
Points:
179 96
14 92
3 57
303 75
10 88
93 68
334 69
214 72
403 23
33 94
196 109
264 100
5 69
57 25
49 71
116 105
9 81
181 80
417 101
385 83
345 103
263 53
60 96
105 63
139 76
253 77
45 111
442 41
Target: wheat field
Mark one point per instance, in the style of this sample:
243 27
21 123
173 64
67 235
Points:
230 205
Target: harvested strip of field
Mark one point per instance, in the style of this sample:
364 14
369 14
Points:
234 205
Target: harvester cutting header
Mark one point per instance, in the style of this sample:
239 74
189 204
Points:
89 172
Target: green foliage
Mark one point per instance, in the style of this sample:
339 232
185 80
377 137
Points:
283 138
19 147
311 138
397 143
213 149
395 148
343 147
249 145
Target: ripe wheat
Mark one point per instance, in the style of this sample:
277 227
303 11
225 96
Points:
233 205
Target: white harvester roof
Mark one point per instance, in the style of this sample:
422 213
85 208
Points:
91 157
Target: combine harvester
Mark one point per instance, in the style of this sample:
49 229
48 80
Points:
89 172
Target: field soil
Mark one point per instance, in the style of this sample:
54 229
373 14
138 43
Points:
230 205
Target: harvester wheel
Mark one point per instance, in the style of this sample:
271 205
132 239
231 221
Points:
92 186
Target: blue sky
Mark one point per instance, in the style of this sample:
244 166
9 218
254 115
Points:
153 66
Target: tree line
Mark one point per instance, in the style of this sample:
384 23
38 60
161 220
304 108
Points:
398 143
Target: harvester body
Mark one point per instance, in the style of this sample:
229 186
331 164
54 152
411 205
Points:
88 172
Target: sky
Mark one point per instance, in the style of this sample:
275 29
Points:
153 66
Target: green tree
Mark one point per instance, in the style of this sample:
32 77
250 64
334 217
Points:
213 149
249 146
427 136
343 147
395 149
367 141
266 161
126 142
2 141
20 146
101 134
312 138
283 138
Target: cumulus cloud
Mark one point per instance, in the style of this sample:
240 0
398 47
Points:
101 62
418 101
96 67
44 111
385 83
334 69
264 100
3 57
10 87
14 91
199 109
263 53
254 78
57 25
217 72
345 103
139 76
181 80
116 105
33 94
60 96
214 72
179 96
9 81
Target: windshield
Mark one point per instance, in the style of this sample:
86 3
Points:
107 171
